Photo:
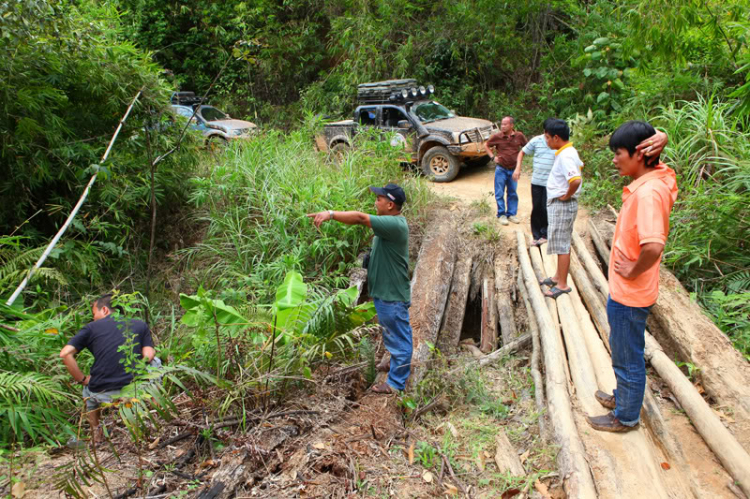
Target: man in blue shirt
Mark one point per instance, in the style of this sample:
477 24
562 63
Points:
544 158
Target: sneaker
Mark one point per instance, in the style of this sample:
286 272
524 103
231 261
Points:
514 219
503 220
609 422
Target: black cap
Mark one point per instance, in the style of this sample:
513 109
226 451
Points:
392 192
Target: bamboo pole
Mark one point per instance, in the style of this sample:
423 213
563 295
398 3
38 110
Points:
578 481
77 207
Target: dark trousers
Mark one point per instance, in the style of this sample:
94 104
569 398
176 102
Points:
538 211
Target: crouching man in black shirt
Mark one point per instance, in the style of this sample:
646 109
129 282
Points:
108 376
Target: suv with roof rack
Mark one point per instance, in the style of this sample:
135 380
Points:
217 127
432 135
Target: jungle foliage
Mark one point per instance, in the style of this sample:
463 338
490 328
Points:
231 226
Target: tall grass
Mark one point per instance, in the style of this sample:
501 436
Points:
254 202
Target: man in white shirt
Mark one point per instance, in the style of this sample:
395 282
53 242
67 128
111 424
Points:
563 187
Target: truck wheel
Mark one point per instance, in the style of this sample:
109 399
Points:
215 143
339 150
440 165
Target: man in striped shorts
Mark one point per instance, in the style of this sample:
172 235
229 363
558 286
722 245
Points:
544 157
563 186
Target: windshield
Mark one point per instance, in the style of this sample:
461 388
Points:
432 111
212 114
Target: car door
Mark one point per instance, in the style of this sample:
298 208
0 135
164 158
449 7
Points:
392 116
196 123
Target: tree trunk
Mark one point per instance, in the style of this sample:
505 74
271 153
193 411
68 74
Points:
577 479
453 320
489 318
601 246
503 285
429 290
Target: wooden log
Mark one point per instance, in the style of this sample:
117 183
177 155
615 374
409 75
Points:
473 350
503 286
482 360
506 456
429 290
357 279
735 459
488 341
571 458
535 254
599 244
455 310
587 260
536 373
723 372
607 231
590 296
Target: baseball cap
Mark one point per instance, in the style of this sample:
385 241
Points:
392 192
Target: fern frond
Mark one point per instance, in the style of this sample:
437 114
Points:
739 282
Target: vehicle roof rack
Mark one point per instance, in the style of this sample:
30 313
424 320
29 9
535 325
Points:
392 92
185 98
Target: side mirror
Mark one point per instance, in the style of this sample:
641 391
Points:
403 124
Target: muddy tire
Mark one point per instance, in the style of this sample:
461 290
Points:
216 143
339 150
440 165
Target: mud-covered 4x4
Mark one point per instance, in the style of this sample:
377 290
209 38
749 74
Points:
433 136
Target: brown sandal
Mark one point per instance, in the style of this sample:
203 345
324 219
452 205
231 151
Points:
382 388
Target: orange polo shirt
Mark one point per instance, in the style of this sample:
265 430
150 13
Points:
644 218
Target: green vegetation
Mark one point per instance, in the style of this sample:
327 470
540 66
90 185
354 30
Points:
231 227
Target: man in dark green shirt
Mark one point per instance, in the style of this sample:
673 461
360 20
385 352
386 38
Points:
387 276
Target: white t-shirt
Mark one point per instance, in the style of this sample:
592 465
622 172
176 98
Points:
567 167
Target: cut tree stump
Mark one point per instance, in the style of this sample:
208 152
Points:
429 292
453 319
506 456
488 341
571 458
503 286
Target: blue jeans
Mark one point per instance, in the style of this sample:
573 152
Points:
504 180
627 326
394 317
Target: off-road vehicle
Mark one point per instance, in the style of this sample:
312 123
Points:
217 127
433 136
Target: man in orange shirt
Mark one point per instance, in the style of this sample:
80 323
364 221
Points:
637 247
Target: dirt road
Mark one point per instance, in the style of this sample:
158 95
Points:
478 184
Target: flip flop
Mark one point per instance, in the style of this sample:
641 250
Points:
382 388
548 282
541 241
535 242
555 292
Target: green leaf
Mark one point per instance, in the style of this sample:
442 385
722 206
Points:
602 97
589 49
291 293
601 41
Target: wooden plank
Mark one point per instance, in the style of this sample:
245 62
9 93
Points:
453 319
503 285
488 341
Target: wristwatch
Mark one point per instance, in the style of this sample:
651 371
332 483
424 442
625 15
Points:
330 214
